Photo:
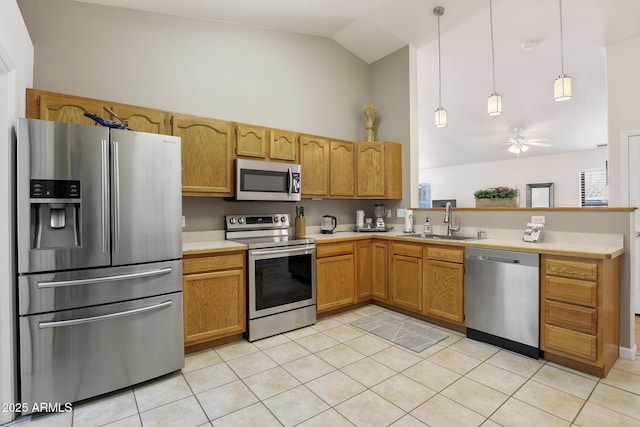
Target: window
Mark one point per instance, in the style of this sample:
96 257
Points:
593 188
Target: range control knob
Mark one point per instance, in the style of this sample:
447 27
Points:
275 219
283 219
240 220
232 220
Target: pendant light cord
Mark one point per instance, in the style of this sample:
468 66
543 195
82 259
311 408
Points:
493 56
561 43
439 68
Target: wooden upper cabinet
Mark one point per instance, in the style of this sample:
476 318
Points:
251 141
143 119
283 146
343 169
314 158
207 163
63 108
379 170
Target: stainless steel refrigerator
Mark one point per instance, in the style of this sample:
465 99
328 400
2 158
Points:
99 223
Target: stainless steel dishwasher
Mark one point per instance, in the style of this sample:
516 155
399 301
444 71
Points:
501 299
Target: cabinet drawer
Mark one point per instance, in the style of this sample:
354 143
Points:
333 249
570 342
446 254
571 290
573 317
407 250
572 269
203 264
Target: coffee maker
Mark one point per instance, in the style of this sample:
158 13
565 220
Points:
380 211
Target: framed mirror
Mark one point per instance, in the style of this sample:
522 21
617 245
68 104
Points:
540 195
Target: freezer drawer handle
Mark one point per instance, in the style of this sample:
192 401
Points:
61 283
43 325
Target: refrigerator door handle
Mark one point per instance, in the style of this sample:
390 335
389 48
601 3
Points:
119 277
116 198
105 195
60 323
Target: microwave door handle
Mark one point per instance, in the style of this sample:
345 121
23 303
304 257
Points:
289 181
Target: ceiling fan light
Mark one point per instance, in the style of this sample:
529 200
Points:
514 149
523 148
441 117
494 104
562 88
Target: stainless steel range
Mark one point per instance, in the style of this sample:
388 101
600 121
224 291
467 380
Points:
281 277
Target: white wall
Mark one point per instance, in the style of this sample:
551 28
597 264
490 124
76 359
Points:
16 73
284 80
623 95
460 182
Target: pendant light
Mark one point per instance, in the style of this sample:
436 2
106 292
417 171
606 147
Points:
494 103
441 113
562 85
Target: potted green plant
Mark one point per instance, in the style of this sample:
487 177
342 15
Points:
503 197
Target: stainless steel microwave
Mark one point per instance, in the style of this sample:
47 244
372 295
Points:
273 181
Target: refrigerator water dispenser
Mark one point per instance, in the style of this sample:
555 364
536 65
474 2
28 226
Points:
55 213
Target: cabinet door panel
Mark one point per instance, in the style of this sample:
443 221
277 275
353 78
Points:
343 162
214 305
69 109
283 146
314 158
336 282
571 343
444 287
207 165
364 260
406 282
143 119
371 169
251 141
379 271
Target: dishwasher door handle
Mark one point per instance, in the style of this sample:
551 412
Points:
494 259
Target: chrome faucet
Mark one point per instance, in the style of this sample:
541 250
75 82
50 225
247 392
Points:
448 219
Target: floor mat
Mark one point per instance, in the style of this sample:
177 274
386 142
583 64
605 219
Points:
405 331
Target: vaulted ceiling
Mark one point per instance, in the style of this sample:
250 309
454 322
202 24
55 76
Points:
527 60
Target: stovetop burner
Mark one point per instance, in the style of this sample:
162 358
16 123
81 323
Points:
263 231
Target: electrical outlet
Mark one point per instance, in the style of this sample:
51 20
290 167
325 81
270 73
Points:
400 213
537 219
389 213
184 221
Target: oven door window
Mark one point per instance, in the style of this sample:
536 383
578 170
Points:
282 281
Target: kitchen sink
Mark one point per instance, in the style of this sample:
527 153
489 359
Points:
438 237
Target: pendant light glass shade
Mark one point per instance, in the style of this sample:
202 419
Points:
562 85
441 117
562 88
494 105
441 113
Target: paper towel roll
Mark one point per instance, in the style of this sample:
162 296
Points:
408 221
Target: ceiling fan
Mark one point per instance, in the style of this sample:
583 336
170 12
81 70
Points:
519 144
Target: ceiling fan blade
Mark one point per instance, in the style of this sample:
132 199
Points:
537 144
512 141
537 139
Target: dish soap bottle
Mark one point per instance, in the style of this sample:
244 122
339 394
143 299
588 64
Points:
427 231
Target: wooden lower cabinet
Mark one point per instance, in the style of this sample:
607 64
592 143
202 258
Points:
444 283
406 276
335 275
372 273
214 297
580 312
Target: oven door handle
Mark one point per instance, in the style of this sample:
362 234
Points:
302 249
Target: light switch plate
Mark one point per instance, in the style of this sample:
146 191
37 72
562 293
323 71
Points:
388 213
184 221
400 213
538 219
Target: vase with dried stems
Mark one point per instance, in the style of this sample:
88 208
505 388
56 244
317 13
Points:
369 111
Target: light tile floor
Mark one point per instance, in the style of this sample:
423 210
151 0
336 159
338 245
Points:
332 374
